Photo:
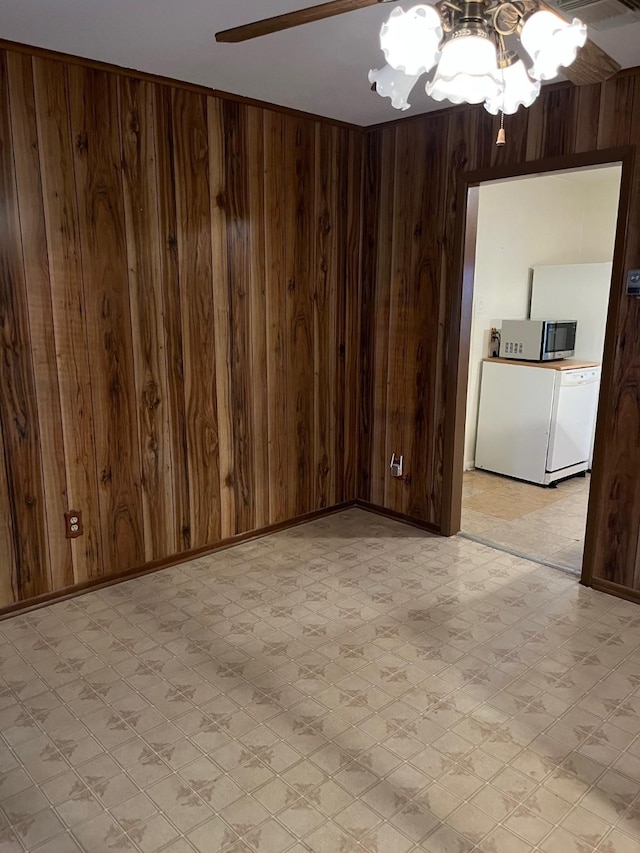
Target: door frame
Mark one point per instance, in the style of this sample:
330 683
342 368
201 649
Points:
460 314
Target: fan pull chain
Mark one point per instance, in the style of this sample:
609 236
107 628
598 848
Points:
502 137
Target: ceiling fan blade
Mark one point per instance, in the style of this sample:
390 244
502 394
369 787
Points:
294 19
592 64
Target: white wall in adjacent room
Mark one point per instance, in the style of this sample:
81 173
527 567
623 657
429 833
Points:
548 219
600 212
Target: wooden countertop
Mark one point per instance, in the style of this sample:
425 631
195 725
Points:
559 364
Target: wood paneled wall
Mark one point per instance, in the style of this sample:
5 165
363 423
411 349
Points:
179 307
216 317
410 280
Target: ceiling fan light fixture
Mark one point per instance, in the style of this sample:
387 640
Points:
519 90
468 69
410 40
393 84
551 42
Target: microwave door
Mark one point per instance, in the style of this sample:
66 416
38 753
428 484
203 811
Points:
559 340
567 333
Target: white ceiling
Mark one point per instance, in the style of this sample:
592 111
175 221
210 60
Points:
320 68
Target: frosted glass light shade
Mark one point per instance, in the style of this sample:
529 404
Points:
551 42
467 71
394 84
410 40
519 90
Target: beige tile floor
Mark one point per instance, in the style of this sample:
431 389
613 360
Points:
349 685
544 524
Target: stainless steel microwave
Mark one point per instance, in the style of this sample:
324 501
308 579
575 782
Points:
538 340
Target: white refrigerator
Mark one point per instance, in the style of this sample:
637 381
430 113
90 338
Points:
535 423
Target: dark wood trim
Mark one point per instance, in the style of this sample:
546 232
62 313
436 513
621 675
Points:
39 601
459 330
616 295
545 165
458 356
197 88
616 589
398 516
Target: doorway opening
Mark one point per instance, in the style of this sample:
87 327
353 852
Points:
539 251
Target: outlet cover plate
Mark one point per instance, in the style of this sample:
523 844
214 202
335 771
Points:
73 524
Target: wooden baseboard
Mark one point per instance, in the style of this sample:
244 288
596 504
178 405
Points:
616 589
398 516
167 562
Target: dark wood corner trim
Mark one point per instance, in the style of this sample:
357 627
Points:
166 563
72 59
398 516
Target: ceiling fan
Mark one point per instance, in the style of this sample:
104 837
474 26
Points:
475 46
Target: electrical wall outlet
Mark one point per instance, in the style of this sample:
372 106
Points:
73 524
397 463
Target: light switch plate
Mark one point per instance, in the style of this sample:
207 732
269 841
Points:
633 283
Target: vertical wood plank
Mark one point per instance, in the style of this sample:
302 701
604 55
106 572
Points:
68 310
401 282
7 537
370 224
561 115
535 130
616 112
258 313
173 333
382 316
38 293
238 285
299 248
191 158
278 356
219 205
352 296
588 118
18 411
324 315
340 368
147 314
97 158
552 123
